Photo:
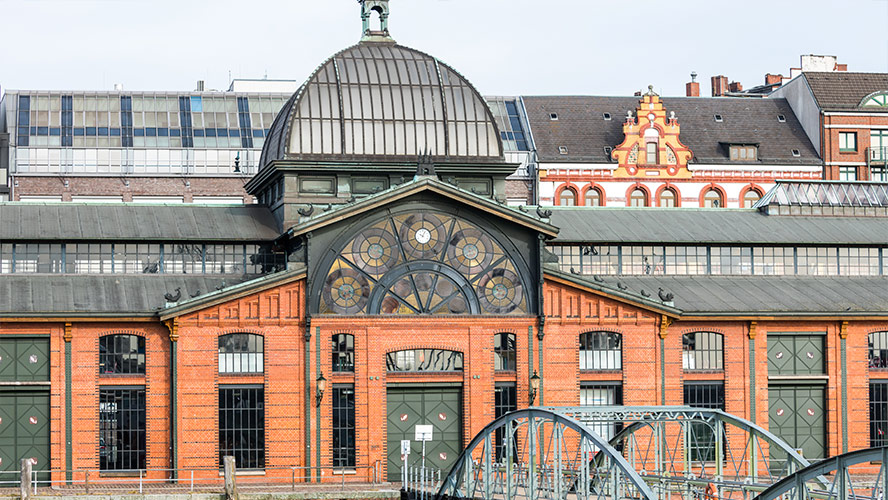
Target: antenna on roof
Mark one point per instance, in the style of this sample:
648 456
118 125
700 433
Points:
693 76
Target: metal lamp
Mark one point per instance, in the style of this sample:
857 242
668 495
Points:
321 387
534 387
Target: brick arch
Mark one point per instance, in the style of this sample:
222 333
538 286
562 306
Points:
568 186
750 187
714 187
632 188
123 332
597 187
671 187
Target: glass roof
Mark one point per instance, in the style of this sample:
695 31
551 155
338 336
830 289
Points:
376 101
826 194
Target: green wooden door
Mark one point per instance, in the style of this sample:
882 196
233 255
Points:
24 429
797 414
24 359
439 407
795 355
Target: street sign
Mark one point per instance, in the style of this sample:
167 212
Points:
423 432
405 447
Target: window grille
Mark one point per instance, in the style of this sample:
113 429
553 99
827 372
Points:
121 429
878 397
343 352
504 401
701 436
602 394
122 354
878 350
241 353
601 351
242 426
343 426
702 351
424 360
504 352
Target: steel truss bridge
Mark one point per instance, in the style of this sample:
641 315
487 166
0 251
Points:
653 453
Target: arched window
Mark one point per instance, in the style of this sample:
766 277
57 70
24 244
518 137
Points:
750 198
568 198
651 153
122 354
592 198
702 351
878 99
343 352
241 353
504 352
638 198
667 198
713 199
601 351
878 350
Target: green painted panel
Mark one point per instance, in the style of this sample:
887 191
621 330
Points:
797 414
24 359
436 406
795 355
24 429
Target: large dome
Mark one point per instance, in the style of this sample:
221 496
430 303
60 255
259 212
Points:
379 101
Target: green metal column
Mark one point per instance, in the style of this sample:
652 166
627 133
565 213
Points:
540 347
174 400
68 425
752 393
530 369
662 370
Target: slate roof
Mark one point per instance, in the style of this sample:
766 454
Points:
71 221
581 127
768 295
749 295
23 295
712 226
842 90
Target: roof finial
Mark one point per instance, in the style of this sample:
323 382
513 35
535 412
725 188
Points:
379 33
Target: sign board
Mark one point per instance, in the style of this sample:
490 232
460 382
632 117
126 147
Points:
405 447
423 432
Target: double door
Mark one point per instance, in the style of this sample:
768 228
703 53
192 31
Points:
411 405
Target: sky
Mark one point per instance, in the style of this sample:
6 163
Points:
504 47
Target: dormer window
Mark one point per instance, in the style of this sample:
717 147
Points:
743 152
875 100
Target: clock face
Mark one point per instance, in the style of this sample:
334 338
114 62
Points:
423 236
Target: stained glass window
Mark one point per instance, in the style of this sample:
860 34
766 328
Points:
423 263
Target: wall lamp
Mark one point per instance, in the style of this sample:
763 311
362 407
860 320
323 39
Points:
321 387
534 387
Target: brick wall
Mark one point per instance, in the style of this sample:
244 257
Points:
187 187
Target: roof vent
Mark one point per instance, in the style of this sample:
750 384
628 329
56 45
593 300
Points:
562 150
719 118
607 116
553 116
781 118
796 153
607 151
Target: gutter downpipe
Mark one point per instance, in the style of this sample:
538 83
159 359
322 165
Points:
307 363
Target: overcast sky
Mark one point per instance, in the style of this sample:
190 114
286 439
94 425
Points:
504 47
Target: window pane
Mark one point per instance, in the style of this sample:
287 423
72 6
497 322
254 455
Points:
701 436
121 429
343 426
601 351
343 353
242 426
504 351
702 351
122 354
241 353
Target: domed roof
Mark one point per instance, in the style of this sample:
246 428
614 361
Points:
379 101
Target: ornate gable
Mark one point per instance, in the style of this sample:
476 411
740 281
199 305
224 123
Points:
651 147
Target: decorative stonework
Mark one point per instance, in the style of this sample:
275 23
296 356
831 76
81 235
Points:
68 334
173 326
665 322
650 125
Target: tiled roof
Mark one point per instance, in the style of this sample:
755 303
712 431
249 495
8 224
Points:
581 128
842 90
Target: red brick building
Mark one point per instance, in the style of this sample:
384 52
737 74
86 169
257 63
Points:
382 282
846 116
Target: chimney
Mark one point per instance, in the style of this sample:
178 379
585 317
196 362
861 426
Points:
719 85
773 79
841 67
692 88
118 87
200 86
735 87
637 93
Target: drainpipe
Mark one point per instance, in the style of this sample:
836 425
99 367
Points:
541 318
68 416
173 326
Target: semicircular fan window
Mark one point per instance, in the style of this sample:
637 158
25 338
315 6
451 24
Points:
423 263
